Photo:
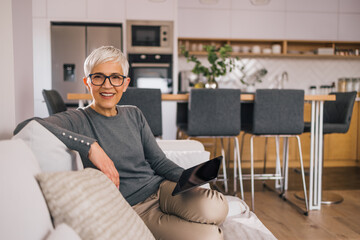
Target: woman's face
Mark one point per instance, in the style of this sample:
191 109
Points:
106 96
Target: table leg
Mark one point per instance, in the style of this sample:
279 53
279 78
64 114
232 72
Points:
316 155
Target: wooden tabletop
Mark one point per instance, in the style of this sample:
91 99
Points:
185 97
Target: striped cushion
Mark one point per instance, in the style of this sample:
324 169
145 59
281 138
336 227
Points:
91 204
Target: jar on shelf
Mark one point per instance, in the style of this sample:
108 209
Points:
342 84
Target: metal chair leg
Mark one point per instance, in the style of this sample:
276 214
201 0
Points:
224 165
303 174
252 172
238 160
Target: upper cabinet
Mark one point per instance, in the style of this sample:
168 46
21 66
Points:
313 20
208 23
85 10
151 9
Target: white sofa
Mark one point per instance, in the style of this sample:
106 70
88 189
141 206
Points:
24 210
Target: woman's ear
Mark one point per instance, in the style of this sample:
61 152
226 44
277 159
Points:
126 83
85 80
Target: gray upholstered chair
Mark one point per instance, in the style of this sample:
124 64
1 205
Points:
215 113
276 113
54 101
337 118
148 100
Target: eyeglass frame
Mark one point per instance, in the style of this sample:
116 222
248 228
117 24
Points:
107 77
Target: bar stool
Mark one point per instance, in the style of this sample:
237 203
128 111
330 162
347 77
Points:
337 118
279 114
148 100
215 113
54 101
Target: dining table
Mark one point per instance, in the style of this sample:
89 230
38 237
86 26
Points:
316 135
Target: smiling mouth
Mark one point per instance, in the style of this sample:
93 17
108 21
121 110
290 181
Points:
107 94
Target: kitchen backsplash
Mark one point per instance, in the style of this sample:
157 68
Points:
302 73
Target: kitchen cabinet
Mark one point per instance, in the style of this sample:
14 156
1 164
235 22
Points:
311 26
205 23
257 24
349 27
67 9
150 10
288 48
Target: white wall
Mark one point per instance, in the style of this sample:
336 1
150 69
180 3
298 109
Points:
7 96
15 64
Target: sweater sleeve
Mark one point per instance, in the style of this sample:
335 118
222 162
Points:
66 127
155 156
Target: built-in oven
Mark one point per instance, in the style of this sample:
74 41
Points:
151 71
149 37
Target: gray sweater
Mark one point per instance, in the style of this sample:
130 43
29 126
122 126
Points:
127 140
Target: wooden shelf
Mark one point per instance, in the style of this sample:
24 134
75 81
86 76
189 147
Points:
288 48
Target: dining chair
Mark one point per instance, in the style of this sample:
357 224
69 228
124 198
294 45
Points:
215 113
54 101
275 113
148 100
337 118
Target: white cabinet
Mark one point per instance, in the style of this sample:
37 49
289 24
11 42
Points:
273 5
151 10
349 27
203 23
66 9
329 6
257 24
311 26
349 6
106 10
205 4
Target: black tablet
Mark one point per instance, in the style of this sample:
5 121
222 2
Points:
198 175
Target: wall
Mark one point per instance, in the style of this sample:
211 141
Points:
302 72
7 98
16 64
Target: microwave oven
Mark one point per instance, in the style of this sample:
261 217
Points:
149 36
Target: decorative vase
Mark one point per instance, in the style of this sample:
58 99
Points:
211 83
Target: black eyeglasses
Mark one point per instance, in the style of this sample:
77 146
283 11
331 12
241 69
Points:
98 79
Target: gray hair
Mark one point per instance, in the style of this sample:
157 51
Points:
105 54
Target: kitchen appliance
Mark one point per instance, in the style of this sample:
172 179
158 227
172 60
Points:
71 43
152 37
151 71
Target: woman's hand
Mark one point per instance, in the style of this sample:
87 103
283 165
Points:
102 161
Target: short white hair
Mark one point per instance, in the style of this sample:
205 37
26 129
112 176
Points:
106 54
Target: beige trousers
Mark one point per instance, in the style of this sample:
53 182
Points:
189 216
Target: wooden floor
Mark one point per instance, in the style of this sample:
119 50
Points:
341 221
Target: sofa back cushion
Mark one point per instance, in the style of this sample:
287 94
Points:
51 153
23 210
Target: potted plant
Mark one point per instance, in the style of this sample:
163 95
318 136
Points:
219 60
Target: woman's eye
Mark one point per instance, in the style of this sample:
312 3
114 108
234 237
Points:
97 76
116 77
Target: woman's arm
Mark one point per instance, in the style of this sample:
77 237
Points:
66 127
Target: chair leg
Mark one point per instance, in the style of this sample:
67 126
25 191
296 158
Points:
302 173
252 172
224 165
265 151
278 182
238 160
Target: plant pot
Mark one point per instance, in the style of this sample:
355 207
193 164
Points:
211 83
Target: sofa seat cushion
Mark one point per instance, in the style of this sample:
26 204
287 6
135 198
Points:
90 203
23 210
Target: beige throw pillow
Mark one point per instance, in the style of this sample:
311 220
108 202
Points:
91 204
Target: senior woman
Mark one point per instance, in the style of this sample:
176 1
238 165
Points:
118 141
